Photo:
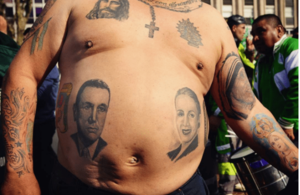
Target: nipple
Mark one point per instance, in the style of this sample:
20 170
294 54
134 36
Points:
88 44
199 66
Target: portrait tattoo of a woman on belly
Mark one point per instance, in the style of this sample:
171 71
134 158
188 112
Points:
188 114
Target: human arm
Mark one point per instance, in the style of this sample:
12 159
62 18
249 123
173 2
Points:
250 120
288 118
36 58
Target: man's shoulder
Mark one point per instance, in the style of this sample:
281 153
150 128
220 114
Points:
289 45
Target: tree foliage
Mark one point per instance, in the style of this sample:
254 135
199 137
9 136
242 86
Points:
23 9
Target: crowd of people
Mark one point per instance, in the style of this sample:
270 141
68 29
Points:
134 113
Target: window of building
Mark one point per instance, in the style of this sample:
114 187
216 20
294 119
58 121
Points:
248 11
289 12
270 7
9 12
249 2
227 2
37 7
227 8
206 1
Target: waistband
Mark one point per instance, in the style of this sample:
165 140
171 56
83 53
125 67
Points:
62 174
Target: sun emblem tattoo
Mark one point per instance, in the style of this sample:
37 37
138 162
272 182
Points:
189 32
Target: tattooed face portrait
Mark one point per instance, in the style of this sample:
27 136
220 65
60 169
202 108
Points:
117 9
187 123
263 128
90 109
235 91
187 114
277 143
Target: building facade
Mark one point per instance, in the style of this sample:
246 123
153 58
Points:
287 10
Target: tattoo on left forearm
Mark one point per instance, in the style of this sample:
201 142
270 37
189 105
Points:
235 91
266 132
29 138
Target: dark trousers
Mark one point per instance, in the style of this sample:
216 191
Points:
44 158
208 168
65 183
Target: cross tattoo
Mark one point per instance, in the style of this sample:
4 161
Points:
152 28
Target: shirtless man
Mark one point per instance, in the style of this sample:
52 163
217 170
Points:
144 52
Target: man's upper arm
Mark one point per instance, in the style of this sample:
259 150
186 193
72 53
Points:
231 88
42 45
251 121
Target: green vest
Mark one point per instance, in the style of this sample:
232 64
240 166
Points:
8 50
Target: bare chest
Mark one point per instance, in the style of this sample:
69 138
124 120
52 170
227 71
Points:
136 26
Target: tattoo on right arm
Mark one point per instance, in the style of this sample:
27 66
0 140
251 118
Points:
235 91
266 132
16 110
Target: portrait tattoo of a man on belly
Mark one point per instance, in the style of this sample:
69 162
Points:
117 9
90 110
188 114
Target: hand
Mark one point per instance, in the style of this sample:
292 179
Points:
250 45
289 133
25 185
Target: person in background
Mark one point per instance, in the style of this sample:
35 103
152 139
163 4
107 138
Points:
276 74
8 50
295 33
237 25
225 145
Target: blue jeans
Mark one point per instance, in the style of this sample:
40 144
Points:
65 183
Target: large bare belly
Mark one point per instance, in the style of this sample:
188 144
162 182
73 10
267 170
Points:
150 142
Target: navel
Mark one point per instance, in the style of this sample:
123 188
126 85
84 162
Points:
89 44
133 160
200 66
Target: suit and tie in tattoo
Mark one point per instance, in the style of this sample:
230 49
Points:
90 111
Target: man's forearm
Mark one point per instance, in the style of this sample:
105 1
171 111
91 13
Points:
18 111
278 147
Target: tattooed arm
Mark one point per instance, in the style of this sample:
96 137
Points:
37 56
251 121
